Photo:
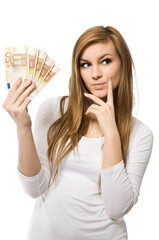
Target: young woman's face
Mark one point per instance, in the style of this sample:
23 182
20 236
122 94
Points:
98 63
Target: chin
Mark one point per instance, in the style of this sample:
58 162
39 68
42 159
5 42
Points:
100 94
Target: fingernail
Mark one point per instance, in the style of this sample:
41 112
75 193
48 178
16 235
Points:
85 93
110 80
29 81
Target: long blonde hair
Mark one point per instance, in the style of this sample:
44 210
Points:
73 123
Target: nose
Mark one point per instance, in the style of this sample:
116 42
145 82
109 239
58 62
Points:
96 72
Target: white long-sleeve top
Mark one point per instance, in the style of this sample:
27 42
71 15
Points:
74 208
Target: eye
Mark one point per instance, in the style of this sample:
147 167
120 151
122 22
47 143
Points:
84 65
107 61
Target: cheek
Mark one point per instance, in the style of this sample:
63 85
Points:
84 76
116 71
114 75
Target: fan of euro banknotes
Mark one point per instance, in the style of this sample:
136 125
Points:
29 63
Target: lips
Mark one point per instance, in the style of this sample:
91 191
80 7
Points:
98 85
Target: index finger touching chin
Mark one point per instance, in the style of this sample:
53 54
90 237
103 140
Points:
110 91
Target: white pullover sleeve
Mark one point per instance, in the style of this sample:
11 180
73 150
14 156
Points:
48 112
120 185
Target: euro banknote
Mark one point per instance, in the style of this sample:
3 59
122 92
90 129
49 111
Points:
33 58
31 63
16 64
47 66
51 73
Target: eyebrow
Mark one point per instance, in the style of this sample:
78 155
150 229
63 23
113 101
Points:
99 57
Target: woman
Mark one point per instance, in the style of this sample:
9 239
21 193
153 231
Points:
86 161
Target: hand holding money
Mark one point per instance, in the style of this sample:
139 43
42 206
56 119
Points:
16 103
29 63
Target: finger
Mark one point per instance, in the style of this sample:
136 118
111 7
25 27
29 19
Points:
92 110
110 92
11 92
16 85
95 99
94 106
25 80
17 92
24 105
24 95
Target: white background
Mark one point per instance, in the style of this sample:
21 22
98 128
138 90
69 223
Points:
55 26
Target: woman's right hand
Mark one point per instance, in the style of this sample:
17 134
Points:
16 103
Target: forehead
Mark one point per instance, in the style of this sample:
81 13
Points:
99 49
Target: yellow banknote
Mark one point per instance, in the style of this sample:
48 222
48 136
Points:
55 68
40 62
47 66
33 58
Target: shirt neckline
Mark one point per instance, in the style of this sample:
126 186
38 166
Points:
92 139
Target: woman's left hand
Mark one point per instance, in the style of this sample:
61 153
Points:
104 112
